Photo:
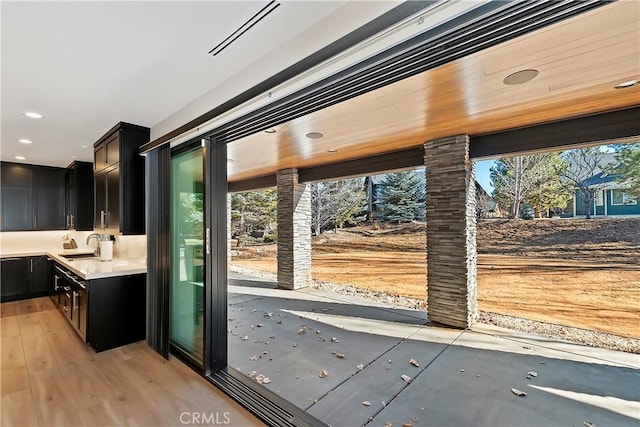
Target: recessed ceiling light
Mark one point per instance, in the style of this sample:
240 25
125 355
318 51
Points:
20 158
628 83
520 77
332 150
315 135
270 130
25 141
33 115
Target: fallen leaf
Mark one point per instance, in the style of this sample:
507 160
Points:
532 373
266 380
588 424
260 325
340 356
526 347
254 357
517 392
334 339
259 378
279 322
334 352
323 373
360 367
461 370
267 314
317 331
302 330
295 345
252 374
265 352
366 403
245 338
388 425
414 362
405 378
407 425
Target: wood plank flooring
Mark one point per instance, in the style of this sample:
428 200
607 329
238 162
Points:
49 377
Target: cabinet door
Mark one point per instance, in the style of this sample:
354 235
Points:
15 174
100 158
113 198
17 208
13 273
113 149
38 275
49 209
100 200
48 177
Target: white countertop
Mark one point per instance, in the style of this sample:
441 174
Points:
91 268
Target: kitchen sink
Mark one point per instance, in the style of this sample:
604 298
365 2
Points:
76 256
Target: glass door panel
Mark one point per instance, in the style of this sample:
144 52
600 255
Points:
187 256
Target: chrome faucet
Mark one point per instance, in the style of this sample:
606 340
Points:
98 237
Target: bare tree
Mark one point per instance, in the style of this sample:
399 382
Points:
584 165
335 203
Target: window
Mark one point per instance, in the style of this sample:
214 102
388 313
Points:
600 198
619 197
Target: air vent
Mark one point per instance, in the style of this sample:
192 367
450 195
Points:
273 5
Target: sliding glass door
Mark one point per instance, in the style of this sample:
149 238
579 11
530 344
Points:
187 324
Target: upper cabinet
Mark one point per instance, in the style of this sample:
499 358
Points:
79 196
33 197
119 179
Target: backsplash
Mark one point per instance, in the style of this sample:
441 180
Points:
16 242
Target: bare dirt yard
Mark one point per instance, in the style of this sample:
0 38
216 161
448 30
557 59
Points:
582 273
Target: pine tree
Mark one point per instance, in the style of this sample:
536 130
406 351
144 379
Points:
628 168
401 196
534 178
253 210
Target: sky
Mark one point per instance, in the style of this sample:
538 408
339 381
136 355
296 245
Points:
482 174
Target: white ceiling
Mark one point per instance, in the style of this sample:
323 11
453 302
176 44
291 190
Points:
88 65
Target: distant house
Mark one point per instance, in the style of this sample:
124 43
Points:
611 198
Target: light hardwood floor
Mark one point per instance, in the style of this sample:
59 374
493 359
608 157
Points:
49 377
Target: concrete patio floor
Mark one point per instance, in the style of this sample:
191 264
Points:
464 378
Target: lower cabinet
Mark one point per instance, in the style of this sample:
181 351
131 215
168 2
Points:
107 312
24 277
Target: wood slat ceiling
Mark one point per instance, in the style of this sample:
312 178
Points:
580 60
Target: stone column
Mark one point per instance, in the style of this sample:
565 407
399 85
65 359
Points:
294 231
451 232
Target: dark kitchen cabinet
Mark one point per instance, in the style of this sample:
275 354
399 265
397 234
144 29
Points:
24 277
79 196
106 312
14 278
33 197
17 208
49 209
119 179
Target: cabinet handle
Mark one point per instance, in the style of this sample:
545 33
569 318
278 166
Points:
101 219
71 221
75 300
31 261
55 282
35 221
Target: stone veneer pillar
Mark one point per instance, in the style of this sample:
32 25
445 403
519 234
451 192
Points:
294 231
451 232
